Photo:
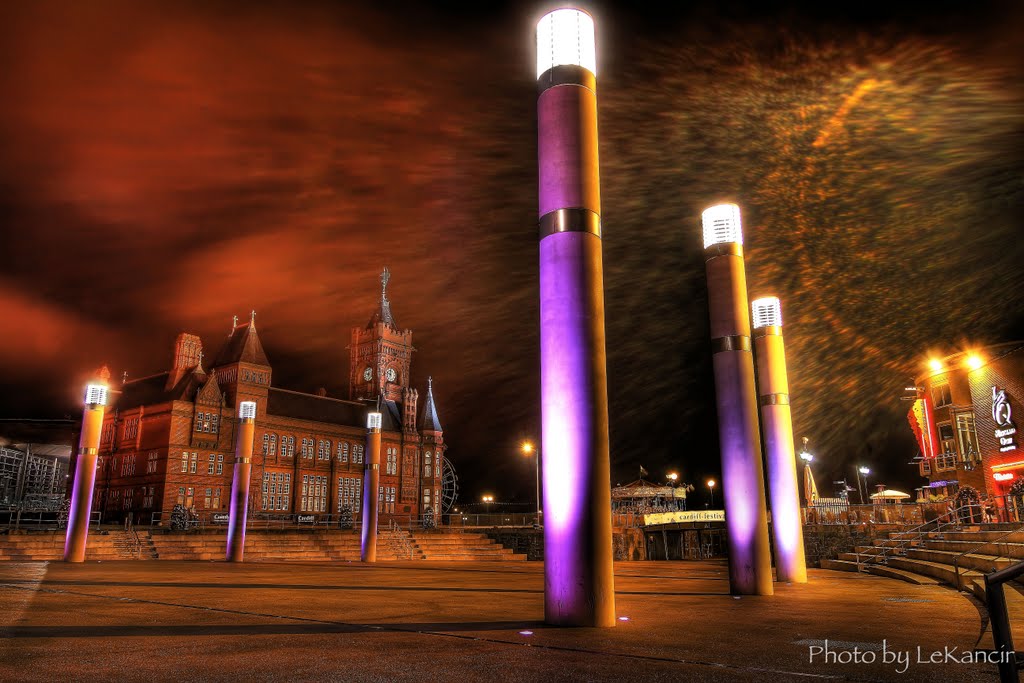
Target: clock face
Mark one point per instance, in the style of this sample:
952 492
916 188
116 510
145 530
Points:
367 374
391 374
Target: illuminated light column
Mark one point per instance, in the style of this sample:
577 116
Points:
371 480
777 427
240 484
85 473
578 581
750 567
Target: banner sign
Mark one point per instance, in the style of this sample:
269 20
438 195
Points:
1002 414
220 518
684 516
922 421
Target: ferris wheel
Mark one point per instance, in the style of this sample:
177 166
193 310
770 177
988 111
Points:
449 486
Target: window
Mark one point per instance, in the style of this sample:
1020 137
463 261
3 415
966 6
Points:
128 465
266 444
941 396
131 428
391 466
184 462
946 437
343 451
307 448
208 499
350 493
147 497
216 498
968 437
426 497
194 463
288 446
181 496
322 449
273 445
357 454
215 423
220 463
427 469
151 461
213 466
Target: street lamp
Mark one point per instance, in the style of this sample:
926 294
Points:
673 479
862 472
488 499
528 450
711 490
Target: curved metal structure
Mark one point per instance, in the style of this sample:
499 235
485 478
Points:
449 486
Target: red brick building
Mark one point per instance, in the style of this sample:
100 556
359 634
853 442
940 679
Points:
964 420
169 438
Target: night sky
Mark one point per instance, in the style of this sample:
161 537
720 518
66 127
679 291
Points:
166 166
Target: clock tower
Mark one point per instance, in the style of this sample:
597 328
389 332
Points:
380 353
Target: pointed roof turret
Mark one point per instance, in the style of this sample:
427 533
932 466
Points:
383 312
429 421
243 346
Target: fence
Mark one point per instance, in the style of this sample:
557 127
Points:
40 520
1000 509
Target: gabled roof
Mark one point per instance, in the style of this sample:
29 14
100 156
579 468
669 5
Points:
243 347
428 420
149 391
210 392
391 416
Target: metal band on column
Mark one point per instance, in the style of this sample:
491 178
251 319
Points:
578 581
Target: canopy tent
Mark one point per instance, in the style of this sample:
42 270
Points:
889 496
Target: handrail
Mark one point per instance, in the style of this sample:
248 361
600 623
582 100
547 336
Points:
399 539
956 560
919 530
1002 637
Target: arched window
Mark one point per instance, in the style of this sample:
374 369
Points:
266 444
427 467
327 450
343 451
273 445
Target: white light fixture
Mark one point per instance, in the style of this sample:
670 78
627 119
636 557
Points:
373 420
247 410
96 394
722 225
767 312
806 457
865 470
566 36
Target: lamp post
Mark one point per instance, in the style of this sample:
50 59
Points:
488 499
862 473
578 580
85 473
673 480
529 449
371 480
711 490
809 492
746 512
777 429
240 483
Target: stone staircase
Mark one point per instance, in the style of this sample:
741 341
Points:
49 545
262 546
958 559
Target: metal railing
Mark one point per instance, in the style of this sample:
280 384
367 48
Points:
45 519
956 560
399 541
951 518
1002 636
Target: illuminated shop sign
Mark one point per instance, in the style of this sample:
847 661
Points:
1002 414
1003 476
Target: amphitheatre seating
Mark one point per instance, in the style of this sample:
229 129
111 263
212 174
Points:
49 545
955 558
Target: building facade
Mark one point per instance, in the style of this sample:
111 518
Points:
168 439
962 417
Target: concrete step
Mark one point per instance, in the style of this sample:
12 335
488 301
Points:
996 549
900 574
839 565
981 563
943 573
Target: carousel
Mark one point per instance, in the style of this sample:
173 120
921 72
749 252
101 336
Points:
644 497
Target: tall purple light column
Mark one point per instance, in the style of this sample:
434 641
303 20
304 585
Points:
777 427
578 581
239 513
371 480
85 473
746 519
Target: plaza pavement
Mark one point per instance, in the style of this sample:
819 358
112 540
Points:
209 621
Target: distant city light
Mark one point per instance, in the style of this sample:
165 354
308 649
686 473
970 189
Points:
711 483
767 312
722 225
566 36
247 410
96 394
